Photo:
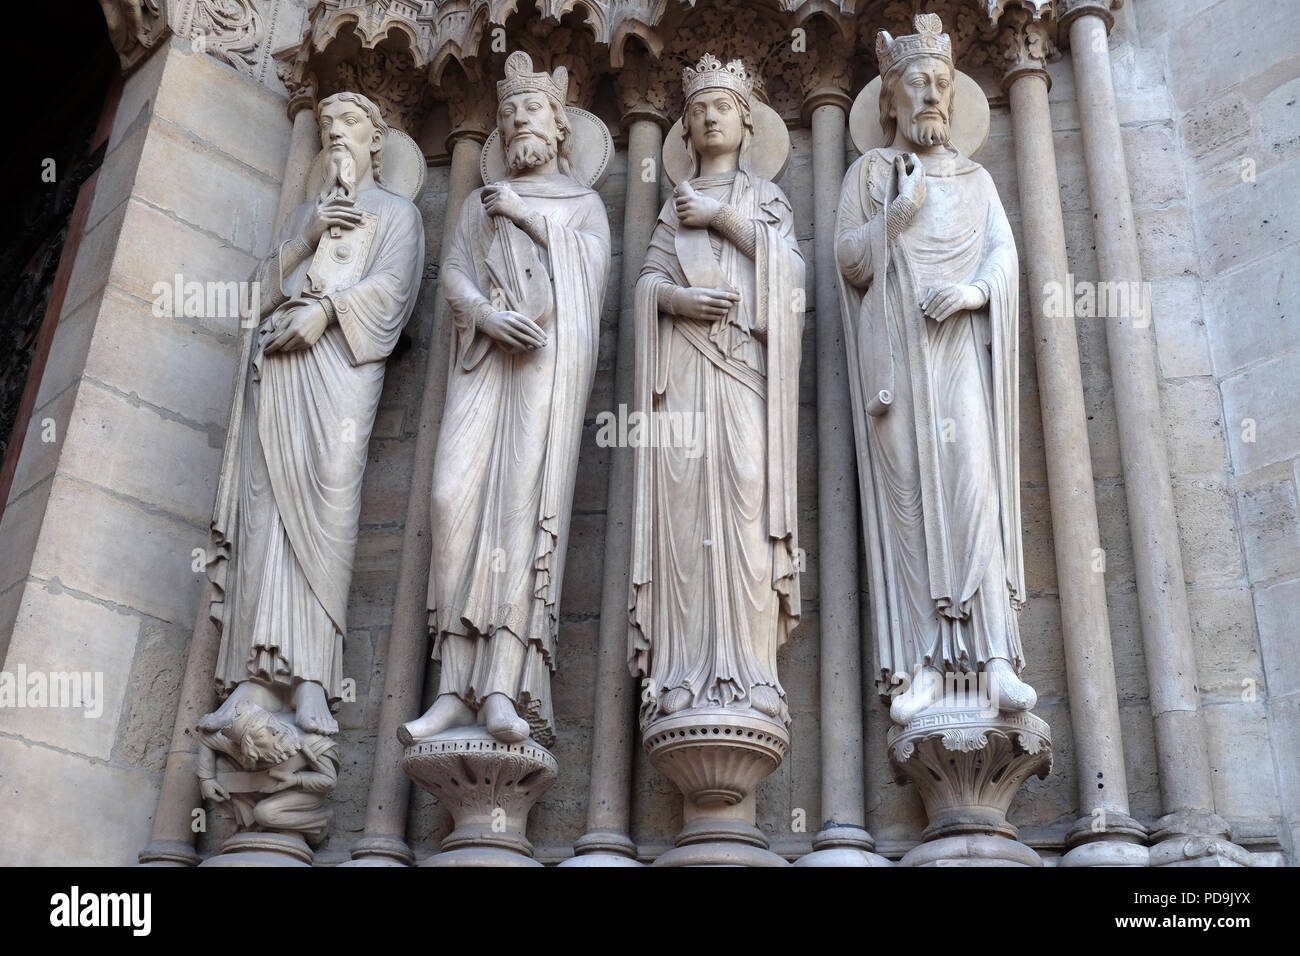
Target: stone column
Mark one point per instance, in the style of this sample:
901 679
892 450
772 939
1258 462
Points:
384 843
607 841
1104 833
843 839
1190 833
172 840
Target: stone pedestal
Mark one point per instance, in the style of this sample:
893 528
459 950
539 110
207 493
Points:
262 849
968 765
1195 838
489 787
716 757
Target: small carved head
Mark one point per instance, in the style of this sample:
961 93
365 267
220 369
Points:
717 119
263 738
354 123
917 84
531 117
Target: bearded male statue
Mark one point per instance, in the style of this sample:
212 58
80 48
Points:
928 280
525 279
334 297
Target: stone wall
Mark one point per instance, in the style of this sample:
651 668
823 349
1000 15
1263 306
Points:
97 540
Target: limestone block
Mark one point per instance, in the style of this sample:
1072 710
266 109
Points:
1181 341
149 709
359 667
113 549
560 815
116 177
1284 728
1270 529
387 481
203 186
1216 124
20 528
1040 633
1166 242
1116 536
171 363
57 633
10 600
95 254
219 106
1237 46
155 247
1223 634
1151 157
575 674
1279 639
1158 18
141 452
103 811
67 355
135 107
1193 426
1279 120
582 567
1207 531
1237 735
47 430
1254 311
1259 413
1244 223
1040 556
1126 646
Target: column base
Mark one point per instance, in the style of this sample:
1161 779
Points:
169 853
844 845
972 849
1195 838
489 787
1106 838
381 851
262 849
603 848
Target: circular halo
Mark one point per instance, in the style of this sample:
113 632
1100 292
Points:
402 171
589 156
768 153
970 110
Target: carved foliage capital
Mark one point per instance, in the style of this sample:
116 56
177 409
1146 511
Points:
134 27
1023 45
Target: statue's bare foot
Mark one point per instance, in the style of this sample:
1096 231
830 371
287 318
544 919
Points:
679 698
312 710
448 711
765 700
221 716
502 721
925 692
1006 690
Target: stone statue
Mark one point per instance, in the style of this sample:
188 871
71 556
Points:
525 278
276 776
929 280
335 295
719 314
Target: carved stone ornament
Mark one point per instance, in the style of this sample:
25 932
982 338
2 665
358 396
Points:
525 278
333 298
714 580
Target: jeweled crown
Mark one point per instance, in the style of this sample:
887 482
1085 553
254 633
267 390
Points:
520 78
710 74
928 40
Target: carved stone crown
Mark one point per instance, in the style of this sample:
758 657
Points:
710 74
520 78
928 40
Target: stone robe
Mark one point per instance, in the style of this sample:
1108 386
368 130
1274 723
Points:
939 469
507 453
285 523
714 587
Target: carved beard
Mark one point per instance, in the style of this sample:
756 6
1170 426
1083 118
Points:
530 150
340 175
929 130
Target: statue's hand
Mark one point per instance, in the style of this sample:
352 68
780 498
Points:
911 179
939 302
305 325
336 212
706 305
515 331
693 208
500 199
284 780
211 790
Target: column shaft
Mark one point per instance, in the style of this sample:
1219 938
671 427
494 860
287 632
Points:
1185 780
842 782
408 641
614 732
1090 672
